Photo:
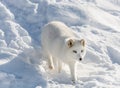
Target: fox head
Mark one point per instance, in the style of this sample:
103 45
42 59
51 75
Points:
76 48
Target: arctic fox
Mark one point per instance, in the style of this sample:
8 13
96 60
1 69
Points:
62 44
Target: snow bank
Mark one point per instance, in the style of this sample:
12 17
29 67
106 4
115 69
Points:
21 62
12 36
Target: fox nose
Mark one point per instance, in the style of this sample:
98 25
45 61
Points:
80 59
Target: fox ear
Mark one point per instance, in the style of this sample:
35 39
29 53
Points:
82 42
69 42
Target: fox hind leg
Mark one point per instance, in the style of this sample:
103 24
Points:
59 66
50 62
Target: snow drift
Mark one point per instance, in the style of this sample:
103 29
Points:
21 62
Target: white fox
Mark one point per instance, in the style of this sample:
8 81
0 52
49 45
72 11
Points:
62 44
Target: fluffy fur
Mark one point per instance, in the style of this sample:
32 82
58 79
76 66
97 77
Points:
62 44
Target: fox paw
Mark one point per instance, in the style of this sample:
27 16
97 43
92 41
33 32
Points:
73 81
50 67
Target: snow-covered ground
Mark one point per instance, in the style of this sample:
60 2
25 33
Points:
21 62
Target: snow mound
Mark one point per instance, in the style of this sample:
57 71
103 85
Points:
22 64
13 38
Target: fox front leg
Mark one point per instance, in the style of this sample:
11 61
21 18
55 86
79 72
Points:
72 67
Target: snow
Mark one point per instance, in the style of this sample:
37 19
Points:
22 64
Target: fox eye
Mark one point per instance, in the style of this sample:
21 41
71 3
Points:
74 51
81 51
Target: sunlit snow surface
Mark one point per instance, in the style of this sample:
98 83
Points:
21 62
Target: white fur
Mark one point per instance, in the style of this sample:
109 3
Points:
54 39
